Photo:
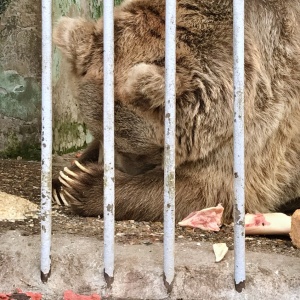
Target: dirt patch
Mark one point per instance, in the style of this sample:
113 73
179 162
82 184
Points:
16 208
22 178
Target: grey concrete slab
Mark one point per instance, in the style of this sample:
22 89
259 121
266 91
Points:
77 265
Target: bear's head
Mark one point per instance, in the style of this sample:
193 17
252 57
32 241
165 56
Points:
139 38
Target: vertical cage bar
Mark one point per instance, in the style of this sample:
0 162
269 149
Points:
108 141
46 143
169 148
239 152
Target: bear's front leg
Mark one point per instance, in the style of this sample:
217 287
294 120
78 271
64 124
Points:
138 197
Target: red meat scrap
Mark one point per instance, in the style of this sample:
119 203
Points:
257 220
19 295
69 295
205 219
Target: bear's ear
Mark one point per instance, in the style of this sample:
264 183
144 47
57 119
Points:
145 86
74 38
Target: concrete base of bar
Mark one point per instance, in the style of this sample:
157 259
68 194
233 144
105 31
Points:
77 266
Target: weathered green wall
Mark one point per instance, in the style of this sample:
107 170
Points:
20 77
20 80
69 131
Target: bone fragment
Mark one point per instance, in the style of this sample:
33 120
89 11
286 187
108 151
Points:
267 224
220 250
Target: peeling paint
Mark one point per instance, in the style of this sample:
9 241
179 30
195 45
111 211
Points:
110 208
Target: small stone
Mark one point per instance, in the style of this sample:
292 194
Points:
230 247
147 243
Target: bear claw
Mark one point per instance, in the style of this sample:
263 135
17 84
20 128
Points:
55 197
66 178
74 200
82 168
62 181
66 203
59 198
69 172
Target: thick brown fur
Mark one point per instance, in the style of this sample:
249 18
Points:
204 106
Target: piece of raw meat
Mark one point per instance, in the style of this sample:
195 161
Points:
205 219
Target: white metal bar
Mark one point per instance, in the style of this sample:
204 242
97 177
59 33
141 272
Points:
169 148
239 169
108 141
46 143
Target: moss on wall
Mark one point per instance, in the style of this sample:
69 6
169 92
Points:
73 135
96 8
30 150
4 5
70 133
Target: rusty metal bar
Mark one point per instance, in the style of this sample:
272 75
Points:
108 141
169 149
46 144
239 145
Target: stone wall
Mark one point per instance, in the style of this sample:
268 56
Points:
20 77
69 131
20 80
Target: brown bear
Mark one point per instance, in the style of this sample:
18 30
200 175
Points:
204 107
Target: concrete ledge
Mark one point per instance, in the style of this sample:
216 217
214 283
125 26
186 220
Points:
77 265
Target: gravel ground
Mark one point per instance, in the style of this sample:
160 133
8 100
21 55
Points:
22 178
